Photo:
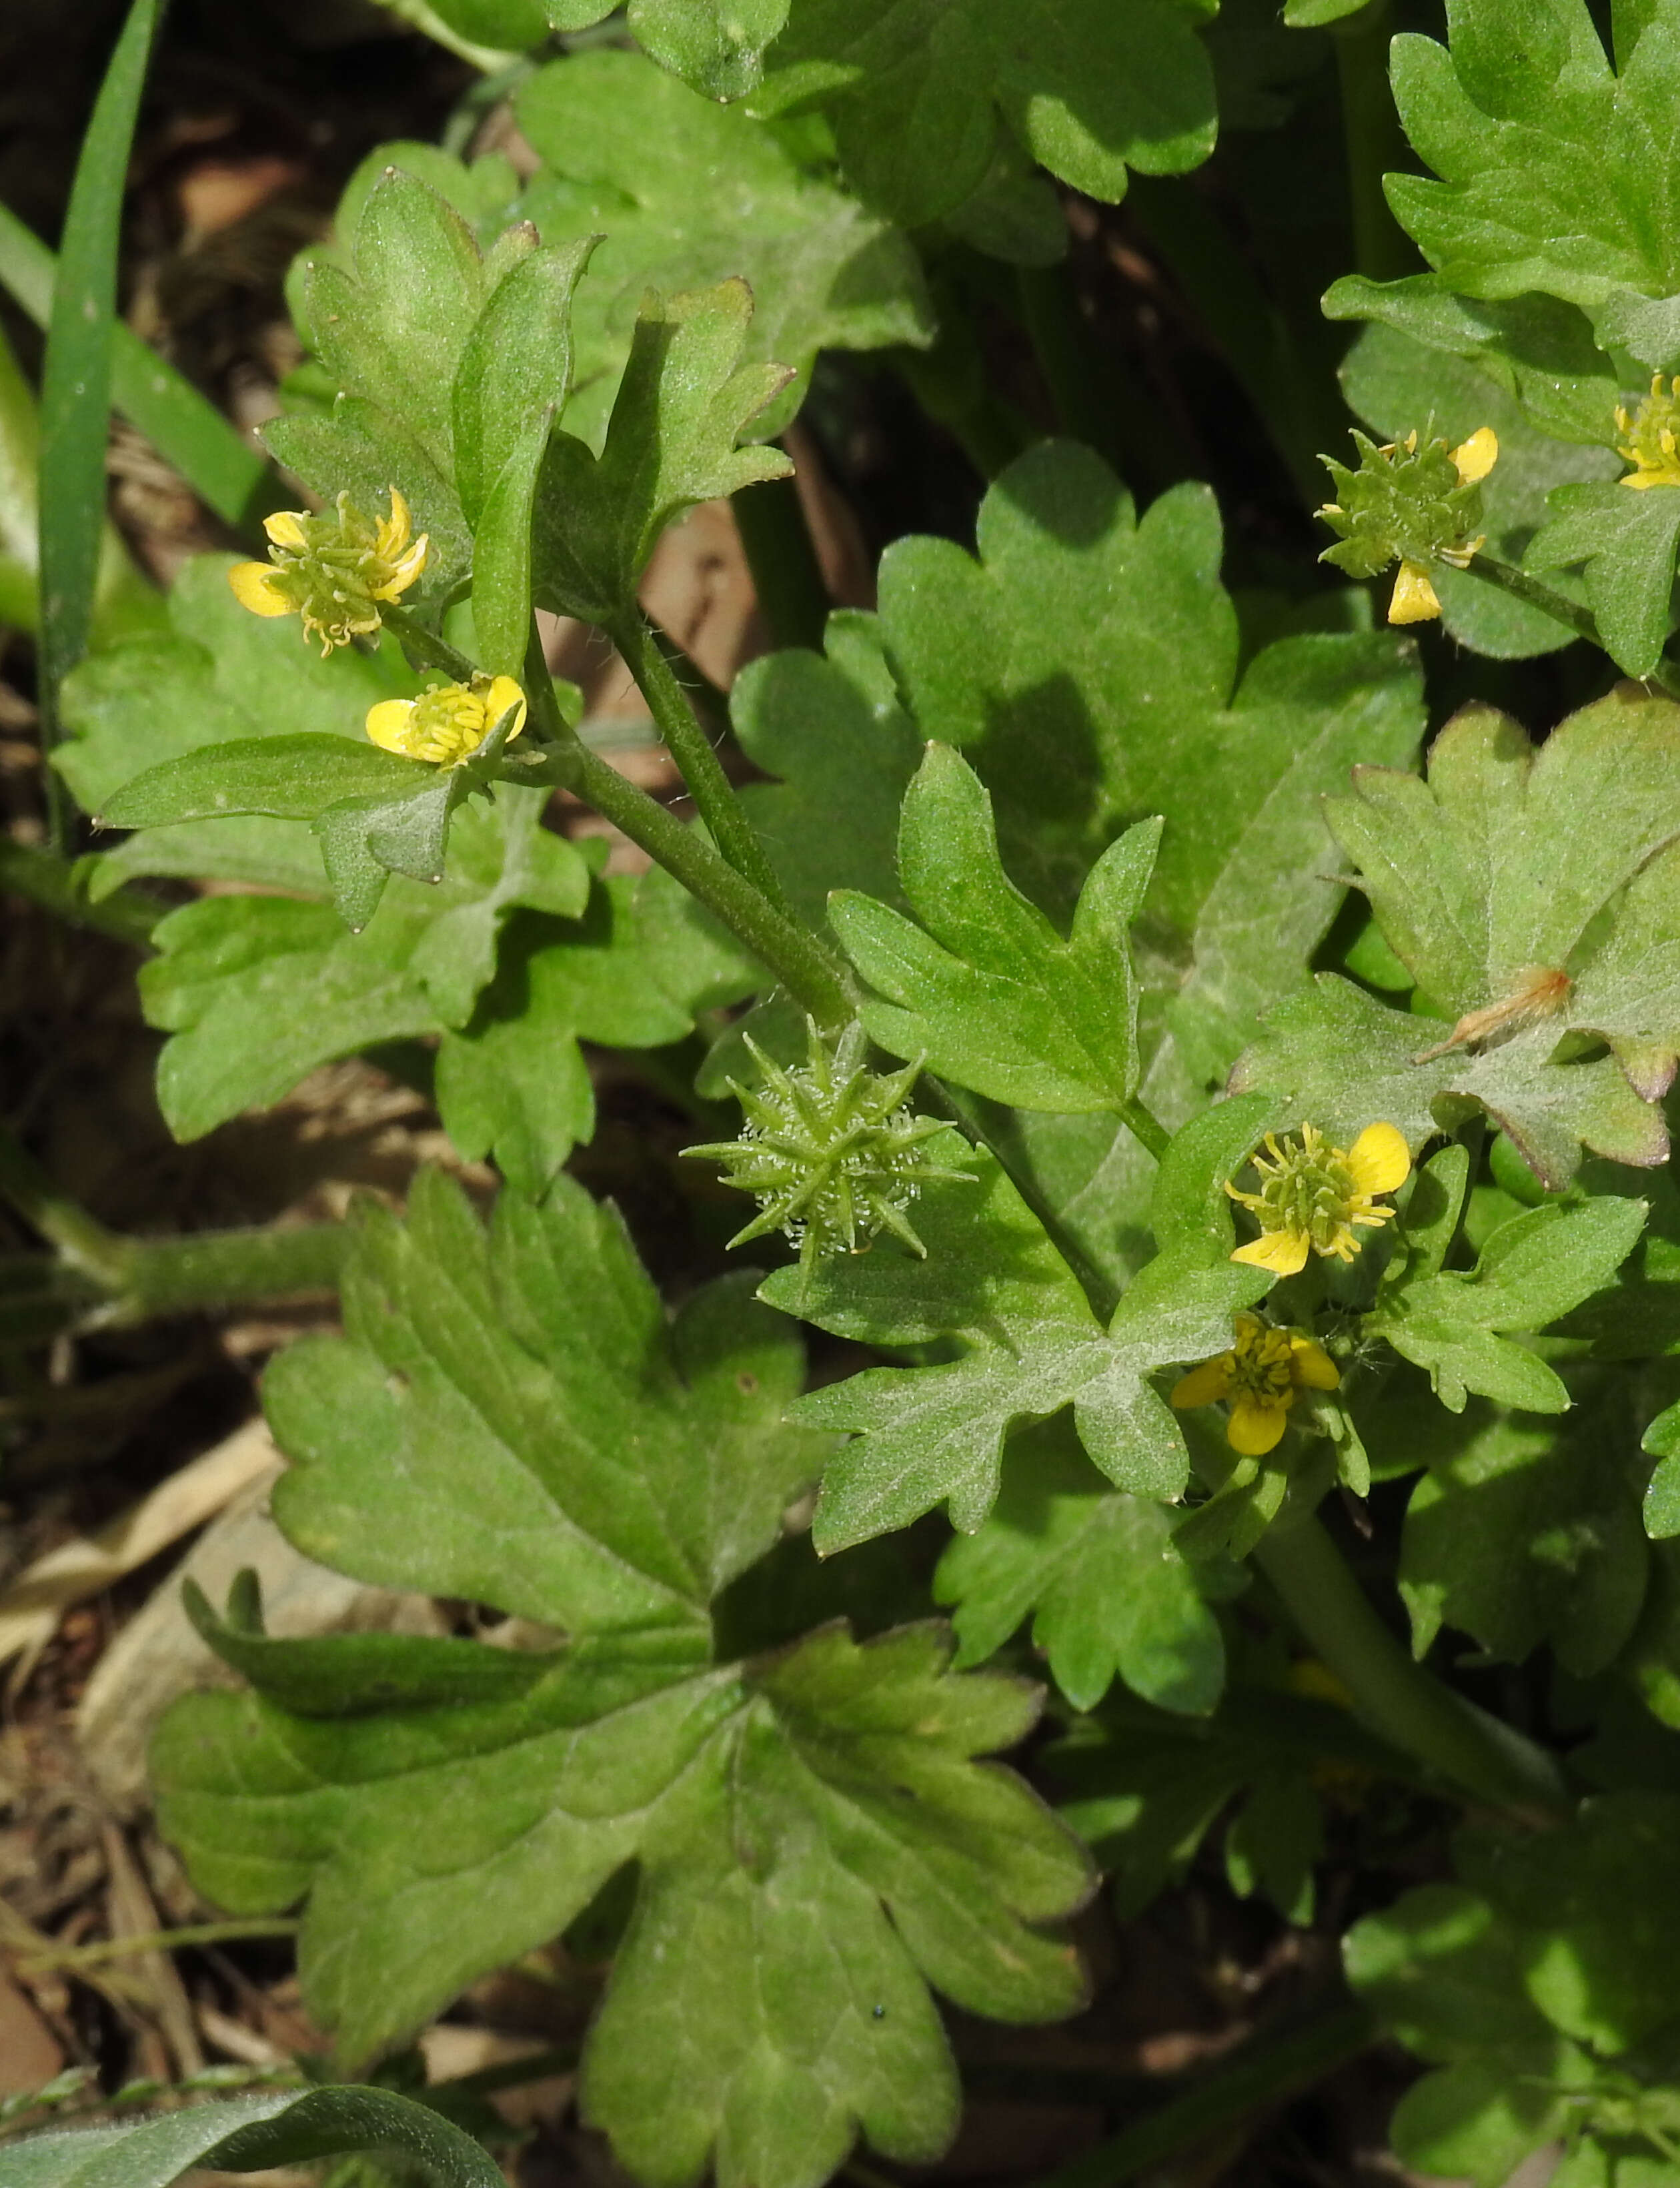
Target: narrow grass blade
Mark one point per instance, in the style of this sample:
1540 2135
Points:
76 381
221 467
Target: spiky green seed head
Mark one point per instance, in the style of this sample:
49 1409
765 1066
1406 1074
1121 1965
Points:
831 1151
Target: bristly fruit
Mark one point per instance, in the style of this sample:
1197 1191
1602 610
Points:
830 1150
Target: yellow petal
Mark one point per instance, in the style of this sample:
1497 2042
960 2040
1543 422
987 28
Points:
1414 597
504 693
286 528
1205 1385
1282 1252
1472 459
391 533
388 725
406 571
254 588
1379 1159
1254 1430
1311 1366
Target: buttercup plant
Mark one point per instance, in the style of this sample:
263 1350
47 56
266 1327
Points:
1129 979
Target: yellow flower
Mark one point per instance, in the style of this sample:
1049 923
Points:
1259 1378
332 571
1414 599
448 722
1650 446
1313 1196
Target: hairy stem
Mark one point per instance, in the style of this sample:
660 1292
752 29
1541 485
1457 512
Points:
1521 587
1573 617
1396 1697
790 950
693 751
209 1270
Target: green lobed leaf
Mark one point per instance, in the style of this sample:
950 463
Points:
392 328
258 990
516 363
1444 1969
990 993
1087 667
253 2134
1535 348
1148 1786
523 1388
1602 1979
684 401
832 728
1523 1533
1095 1570
1533 884
687 192
1031 1344
1530 1272
1627 541
1548 177
511 1082
1338 1059
918 92
565 1453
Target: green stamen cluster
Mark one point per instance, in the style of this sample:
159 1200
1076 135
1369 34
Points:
1407 501
830 1150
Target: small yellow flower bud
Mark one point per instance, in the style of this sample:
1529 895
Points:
448 724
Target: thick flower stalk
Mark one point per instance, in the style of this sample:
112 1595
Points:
1259 1380
333 571
1648 441
448 724
1315 1199
830 1150
1416 502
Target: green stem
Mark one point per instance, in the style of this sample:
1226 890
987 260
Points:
212 1270
1373 141
82 1240
1521 587
1257 2078
1396 1697
790 950
436 652
1146 1127
44 878
787 575
693 751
